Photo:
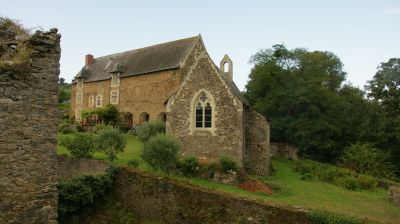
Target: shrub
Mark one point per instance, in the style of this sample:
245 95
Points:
110 141
99 127
150 129
133 163
367 182
209 168
161 152
364 158
327 218
348 182
189 166
81 192
80 145
227 163
345 178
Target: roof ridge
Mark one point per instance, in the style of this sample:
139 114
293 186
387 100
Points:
151 46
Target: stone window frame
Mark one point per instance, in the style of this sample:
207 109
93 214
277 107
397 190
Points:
97 101
91 101
194 103
79 99
111 97
115 80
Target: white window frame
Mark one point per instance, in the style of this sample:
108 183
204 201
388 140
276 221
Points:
91 102
111 97
101 101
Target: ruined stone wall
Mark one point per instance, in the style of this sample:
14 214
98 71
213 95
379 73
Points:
137 94
225 138
160 200
69 167
257 157
284 150
28 128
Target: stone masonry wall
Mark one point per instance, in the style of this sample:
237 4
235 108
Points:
28 127
284 150
69 167
227 138
137 94
257 152
153 199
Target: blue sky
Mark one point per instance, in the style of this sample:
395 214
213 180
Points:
361 33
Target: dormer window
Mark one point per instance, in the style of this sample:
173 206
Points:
79 84
114 80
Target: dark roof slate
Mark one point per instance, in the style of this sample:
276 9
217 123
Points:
154 58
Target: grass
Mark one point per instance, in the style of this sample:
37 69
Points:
291 190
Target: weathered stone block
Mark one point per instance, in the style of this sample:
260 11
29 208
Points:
394 195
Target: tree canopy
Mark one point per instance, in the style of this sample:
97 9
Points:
305 96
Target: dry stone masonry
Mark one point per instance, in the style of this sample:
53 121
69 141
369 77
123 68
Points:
28 127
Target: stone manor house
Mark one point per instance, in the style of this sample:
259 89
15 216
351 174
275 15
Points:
178 83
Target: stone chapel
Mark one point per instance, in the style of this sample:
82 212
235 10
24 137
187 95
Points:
178 83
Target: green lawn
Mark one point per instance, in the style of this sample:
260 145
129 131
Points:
312 195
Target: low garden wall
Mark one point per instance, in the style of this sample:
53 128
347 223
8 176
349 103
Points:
71 167
156 199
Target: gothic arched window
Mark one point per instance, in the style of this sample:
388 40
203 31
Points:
203 111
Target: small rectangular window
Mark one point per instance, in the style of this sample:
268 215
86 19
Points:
114 97
91 101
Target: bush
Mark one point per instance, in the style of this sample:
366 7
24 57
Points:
99 127
364 158
227 163
189 166
161 152
133 163
367 182
81 192
80 145
345 178
327 218
350 183
209 168
67 130
110 141
150 129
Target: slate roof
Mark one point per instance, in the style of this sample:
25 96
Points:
154 58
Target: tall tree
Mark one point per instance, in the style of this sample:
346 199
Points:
298 90
384 88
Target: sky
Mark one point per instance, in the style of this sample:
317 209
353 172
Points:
362 33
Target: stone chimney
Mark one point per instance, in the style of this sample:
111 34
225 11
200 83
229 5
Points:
227 61
88 59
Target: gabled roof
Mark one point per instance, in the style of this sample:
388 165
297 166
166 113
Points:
154 58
